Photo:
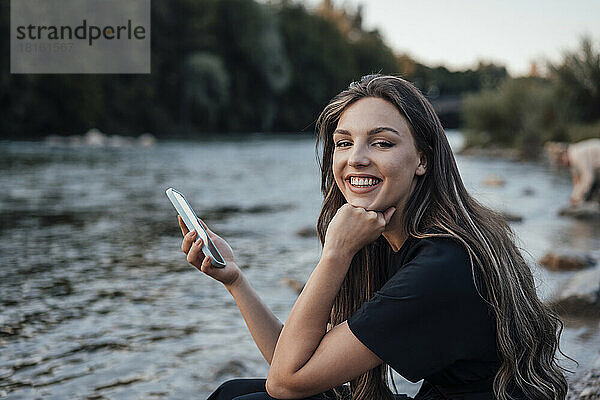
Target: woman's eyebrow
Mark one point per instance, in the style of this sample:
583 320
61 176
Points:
370 132
382 129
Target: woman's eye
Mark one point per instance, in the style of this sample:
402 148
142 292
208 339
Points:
342 143
384 144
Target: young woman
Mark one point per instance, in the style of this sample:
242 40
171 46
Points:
415 275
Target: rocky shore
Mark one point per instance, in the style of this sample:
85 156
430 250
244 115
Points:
579 299
587 387
95 138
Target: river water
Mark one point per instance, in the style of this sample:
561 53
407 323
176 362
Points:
98 302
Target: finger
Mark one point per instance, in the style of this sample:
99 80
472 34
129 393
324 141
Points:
184 229
188 241
206 264
373 215
194 256
387 215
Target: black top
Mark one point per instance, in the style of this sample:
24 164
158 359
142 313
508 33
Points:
428 322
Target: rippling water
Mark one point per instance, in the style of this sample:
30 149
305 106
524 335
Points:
98 302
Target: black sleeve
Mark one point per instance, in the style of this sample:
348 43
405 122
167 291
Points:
428 315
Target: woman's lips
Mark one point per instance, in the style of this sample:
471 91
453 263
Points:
361 190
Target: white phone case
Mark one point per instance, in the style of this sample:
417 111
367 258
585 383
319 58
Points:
191 221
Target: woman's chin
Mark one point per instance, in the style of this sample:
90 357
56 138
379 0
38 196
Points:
367 204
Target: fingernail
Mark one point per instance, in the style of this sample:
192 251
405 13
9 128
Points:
192 233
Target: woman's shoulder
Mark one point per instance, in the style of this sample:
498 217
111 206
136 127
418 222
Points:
435 247
433 263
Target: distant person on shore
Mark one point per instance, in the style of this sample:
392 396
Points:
583 158
415 275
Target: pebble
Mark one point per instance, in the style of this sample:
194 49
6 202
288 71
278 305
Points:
579 295
566 260
308 231
493 180
528 191
581 211
293 283
231 368
512 217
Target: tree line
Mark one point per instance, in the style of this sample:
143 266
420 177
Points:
221 66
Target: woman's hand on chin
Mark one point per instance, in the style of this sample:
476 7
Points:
352 228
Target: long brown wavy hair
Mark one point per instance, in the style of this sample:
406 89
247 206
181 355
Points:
528 332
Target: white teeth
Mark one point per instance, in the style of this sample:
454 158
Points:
364 182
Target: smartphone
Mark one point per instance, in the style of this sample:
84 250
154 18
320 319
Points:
191 222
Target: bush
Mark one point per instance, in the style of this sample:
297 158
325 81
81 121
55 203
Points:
577 82
515 115
526 112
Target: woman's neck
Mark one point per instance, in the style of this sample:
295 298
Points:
394 232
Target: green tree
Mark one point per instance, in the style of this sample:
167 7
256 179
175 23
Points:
322 64
256 59
514 115
577 81
205 90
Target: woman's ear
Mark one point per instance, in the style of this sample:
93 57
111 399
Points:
422 167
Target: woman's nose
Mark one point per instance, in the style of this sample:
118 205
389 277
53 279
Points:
358 157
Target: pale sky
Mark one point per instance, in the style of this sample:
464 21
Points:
458 33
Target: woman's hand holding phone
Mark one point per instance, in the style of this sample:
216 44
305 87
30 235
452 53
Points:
228 275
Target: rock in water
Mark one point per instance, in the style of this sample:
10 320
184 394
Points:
147 140
566 260
293 283
580 295
308 231
528 191
510 217
230 369
588 209
493 180
95 138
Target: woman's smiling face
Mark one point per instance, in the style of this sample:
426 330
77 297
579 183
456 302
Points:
375 160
